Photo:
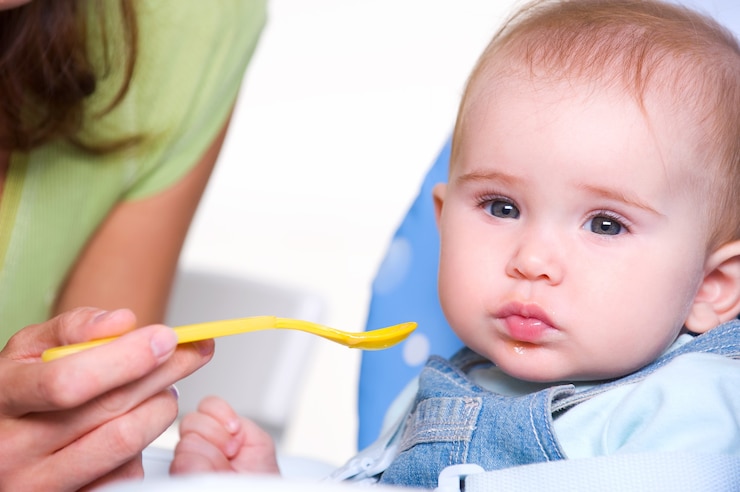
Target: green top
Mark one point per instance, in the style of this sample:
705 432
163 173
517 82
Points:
190 64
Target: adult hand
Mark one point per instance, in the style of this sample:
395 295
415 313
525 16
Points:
83 420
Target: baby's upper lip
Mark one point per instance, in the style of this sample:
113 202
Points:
525 310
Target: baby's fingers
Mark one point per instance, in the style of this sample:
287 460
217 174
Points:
194 454
222 412
212 431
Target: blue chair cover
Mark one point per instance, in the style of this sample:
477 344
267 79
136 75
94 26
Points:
405 289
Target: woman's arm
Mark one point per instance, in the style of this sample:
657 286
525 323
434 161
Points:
131 260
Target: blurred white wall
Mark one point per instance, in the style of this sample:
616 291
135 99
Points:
344 108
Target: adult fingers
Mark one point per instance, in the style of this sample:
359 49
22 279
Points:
112 451
78 325
73 380
68 425
130 470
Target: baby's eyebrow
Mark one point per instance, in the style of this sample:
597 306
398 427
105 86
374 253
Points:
619 196
487 175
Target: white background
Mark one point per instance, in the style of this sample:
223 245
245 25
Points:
343 109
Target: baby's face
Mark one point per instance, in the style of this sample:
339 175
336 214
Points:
573 231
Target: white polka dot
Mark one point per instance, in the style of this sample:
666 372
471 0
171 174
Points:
416 350
395 266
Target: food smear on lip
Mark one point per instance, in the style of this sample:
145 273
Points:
526 329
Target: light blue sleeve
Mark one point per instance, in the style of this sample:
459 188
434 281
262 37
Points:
691 404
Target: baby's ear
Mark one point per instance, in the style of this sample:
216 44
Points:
438 194
718 299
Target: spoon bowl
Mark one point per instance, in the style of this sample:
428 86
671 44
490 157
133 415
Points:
379 339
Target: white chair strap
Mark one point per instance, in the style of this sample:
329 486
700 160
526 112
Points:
642 472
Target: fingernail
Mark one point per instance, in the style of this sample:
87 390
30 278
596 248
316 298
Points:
204 347
232 426
163 343
175 392
232 447
108 315
102 315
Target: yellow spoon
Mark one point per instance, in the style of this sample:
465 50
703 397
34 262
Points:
367 340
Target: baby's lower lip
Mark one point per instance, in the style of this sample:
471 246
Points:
522 329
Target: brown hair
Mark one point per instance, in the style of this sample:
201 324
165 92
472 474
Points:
642 46
47 71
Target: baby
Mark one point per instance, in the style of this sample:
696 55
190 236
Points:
590 255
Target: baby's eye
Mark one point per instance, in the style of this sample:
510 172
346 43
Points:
603 224
503 209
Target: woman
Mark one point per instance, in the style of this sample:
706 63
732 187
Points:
112 117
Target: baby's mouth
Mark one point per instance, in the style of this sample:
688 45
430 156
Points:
525 322
526 329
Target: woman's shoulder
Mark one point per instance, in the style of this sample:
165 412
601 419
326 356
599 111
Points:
190 63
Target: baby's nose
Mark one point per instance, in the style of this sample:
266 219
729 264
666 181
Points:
538 256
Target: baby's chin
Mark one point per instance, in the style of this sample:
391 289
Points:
552 376
542 364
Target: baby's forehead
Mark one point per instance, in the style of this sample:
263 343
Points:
672 103
658 107
671 137
672 84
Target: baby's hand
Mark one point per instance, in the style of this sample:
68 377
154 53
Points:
215 439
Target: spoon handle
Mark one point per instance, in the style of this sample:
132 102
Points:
213 329
185 334
367 340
